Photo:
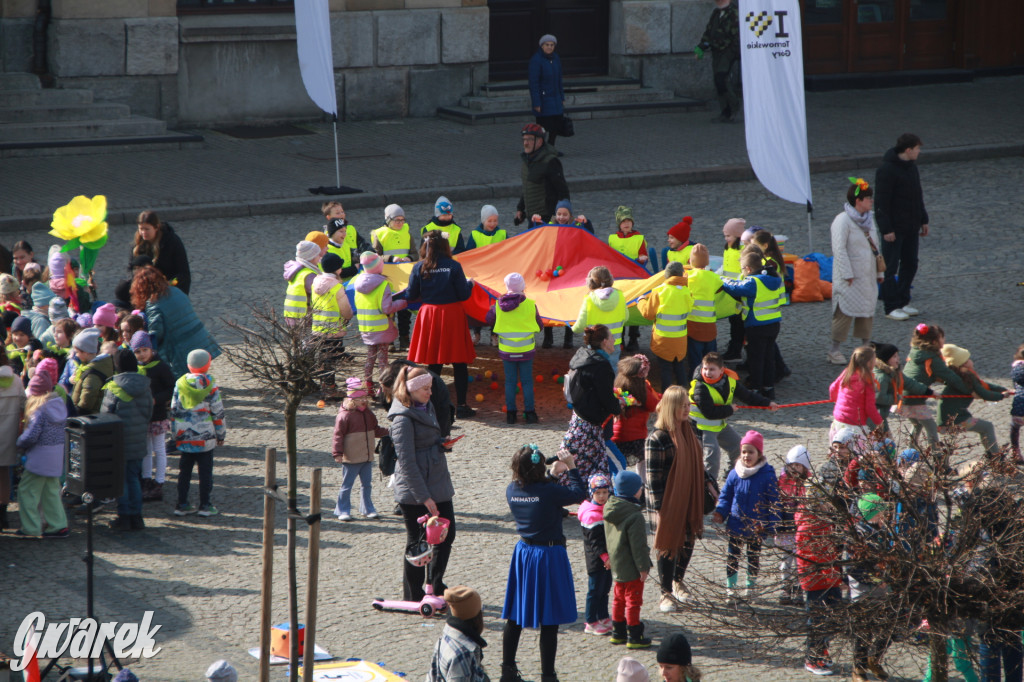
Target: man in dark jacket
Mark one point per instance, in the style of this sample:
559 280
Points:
901 217
722 37
543 179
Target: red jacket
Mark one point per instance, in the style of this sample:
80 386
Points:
855 403
634 425
817 556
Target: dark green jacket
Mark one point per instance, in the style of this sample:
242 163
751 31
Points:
543 183
722 33
885 396
957 408
625 532
927 367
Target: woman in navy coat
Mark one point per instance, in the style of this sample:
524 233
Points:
546 94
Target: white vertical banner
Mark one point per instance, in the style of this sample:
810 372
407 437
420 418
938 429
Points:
774 113
316 60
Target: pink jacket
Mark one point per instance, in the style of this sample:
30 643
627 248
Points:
855 403
355 434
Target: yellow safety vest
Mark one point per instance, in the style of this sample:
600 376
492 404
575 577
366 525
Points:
731 264
516 328
681 256
673 307
452 229
627 246
351 238
766 302
703 423
326 312
703 285
295 301
368 310
343 252
613 319
481 239
394 243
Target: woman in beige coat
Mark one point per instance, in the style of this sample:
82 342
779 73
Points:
12 406
855 275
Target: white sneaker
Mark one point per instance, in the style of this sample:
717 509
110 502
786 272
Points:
910 311
679 591
372 515
344 517
897 314
836 358
668 605
729 592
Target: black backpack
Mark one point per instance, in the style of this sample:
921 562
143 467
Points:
386 456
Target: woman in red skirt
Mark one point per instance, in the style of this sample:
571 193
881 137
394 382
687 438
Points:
441 334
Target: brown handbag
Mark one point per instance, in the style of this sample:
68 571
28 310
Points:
879 259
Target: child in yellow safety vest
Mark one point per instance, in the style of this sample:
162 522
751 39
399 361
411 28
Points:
394 243
352 240
338 244
516 322
732 231
485 234
632 245
300 273
604 305
705 288
444 221
679 244
374 308
331 313
669 307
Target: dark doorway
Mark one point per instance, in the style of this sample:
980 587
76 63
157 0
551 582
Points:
581 27
851 36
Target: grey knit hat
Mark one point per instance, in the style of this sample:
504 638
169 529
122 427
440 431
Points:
547 38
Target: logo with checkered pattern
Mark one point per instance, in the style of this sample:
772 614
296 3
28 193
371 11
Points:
759 22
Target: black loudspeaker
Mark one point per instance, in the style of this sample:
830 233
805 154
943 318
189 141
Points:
94 455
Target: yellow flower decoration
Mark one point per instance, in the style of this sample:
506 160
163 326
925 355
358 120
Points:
83 219
861 183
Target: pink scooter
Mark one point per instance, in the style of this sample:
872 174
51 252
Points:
435 532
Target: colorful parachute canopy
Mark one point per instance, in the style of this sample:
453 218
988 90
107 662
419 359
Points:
543 249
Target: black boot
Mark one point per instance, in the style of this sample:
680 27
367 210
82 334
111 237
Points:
136 522
637 640
549 338
121 522
531 417
510 417
567 341
618 632
510 673
3 517
549 678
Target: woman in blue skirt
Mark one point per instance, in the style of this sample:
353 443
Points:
540 592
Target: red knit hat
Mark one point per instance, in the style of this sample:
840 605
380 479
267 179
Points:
754 438
681 230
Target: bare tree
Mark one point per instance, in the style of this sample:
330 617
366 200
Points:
940 551
284 361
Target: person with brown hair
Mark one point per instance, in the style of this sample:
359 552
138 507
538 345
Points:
422 484
441 334
158 240
604 305
172 322
674 485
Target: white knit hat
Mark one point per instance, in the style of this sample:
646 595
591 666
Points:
798 455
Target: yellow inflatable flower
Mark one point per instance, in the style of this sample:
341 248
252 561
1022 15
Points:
84 220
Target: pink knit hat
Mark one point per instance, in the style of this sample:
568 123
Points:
105 315
755 439
371 262
40 383
49 365
734 227
355 388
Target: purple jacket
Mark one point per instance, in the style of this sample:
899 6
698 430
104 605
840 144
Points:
508 303
364 283
43 439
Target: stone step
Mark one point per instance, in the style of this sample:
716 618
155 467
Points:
519 102
579 113
52 113
169 141
580 84
134 126
53 97
19 81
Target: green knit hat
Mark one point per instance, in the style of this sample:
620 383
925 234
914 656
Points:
623 213
870 505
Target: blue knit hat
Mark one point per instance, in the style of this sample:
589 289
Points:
627 483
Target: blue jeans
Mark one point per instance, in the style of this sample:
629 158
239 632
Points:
130 503
673 373
696 350
819 601
600 584
997 646
349 472
187 460
518 372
